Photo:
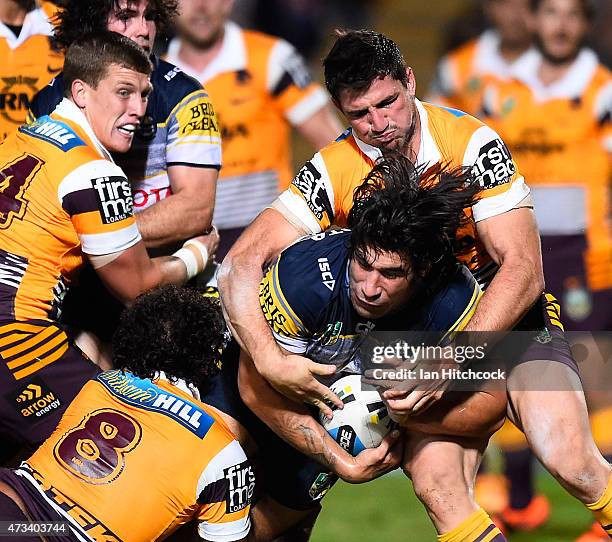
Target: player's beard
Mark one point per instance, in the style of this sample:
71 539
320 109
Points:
558 60
402 144
204 43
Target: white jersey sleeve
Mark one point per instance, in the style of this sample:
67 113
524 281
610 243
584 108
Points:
503 187
224 492
98 198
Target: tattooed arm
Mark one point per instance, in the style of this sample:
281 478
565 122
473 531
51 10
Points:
293 423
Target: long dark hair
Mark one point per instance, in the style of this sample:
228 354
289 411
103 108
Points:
80 17
414 213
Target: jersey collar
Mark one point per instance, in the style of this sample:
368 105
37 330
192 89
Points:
231 57
573 83
428 154
70 111
35 22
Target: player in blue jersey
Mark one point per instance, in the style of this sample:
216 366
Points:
322 298
175 156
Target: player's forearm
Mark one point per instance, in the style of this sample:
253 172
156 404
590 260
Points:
174 219
512 292
291 421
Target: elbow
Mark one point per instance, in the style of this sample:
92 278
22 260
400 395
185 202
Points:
224 273
538 285
536 280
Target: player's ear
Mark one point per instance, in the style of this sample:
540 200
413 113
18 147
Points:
79 91
411 81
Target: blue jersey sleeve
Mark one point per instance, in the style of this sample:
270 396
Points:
452 307
47 99
300 285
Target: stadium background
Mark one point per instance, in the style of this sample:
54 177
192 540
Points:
386 509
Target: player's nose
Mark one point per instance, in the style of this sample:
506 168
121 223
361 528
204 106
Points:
370 287
378 121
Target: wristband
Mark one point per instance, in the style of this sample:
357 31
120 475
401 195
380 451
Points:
190 260
201 248
194 255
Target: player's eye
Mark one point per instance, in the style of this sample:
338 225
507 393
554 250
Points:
363 263
356 114
388 102
124 15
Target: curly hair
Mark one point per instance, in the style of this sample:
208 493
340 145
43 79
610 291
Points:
170 329
80 17
414 213
358 58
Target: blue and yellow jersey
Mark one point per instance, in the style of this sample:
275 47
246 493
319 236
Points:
29 61
179 128
305 299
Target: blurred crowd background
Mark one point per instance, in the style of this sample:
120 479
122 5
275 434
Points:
426 31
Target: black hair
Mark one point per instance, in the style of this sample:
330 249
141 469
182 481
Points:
90 56
588 7
78 17
413 213
358 58
171 329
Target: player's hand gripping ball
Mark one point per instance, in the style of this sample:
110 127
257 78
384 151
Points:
364 420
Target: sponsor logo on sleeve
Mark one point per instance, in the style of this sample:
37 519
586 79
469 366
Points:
494 165
309 182
327 278
115 201
198 118
53 131
274 316
241 484
172 73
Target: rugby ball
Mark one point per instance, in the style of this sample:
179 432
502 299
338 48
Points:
364 420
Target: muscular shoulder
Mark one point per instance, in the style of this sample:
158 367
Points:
343 157
307 277
448 120
171 86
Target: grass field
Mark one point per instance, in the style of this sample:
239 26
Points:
386 510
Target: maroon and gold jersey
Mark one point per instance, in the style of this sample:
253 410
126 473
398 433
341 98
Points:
260 87
61 196
561 137
322 192
131 460
29 62
463 74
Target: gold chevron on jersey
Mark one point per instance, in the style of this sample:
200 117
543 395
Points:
28 347
278 313
466 315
